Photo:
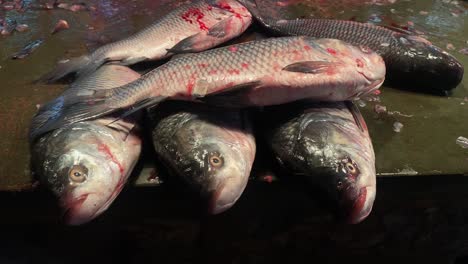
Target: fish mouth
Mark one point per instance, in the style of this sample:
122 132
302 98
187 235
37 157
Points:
220 200
359 211
71 214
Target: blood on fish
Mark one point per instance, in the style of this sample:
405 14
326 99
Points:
297 55
359 63
203 65
330 71
245 65
233 48
307 47
229 8
210 8
105 149
195 12
331 51
234 71
187 67
213 72
190 85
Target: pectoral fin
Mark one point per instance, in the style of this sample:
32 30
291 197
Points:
360 122
314 67
231 97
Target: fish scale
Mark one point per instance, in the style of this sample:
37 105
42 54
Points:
411 60
258 54
185 29
257 73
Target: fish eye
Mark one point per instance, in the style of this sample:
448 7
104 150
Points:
350 168
365 49
216 161
78 174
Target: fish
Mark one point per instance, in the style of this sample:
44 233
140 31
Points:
87 164
255 73
212 149
411 60
28 49
326 144
194 27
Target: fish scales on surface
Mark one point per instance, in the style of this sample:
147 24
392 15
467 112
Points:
410 59
87 164
194 27
328 146
211 149
256 73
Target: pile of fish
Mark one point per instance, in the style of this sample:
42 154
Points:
199 107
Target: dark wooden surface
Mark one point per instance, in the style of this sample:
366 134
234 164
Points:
419 219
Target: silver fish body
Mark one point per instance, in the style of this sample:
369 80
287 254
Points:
411 61
256 73
211 149
328 145
87 164
193 27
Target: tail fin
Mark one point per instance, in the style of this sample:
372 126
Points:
81 66
64 69
70 108
65 110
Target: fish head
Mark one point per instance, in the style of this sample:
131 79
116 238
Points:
369 66
342 167
82 169
418 62
220 167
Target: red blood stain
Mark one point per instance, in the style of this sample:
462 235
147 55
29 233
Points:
297 55
268 178
203 65
245 65
187 67
190 85
105 149
233 48
307 48
331 51
210 8
197 14
234 71
359 63
377 92
212 72
330 71
229 8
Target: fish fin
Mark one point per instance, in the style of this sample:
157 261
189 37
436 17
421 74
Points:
47 120
192 43
180 55
64 69
399 30
360 122
186 45
148 102
132 60
231 97
219 29
310 66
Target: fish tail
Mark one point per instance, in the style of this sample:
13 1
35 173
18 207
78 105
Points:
71 108
80 66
